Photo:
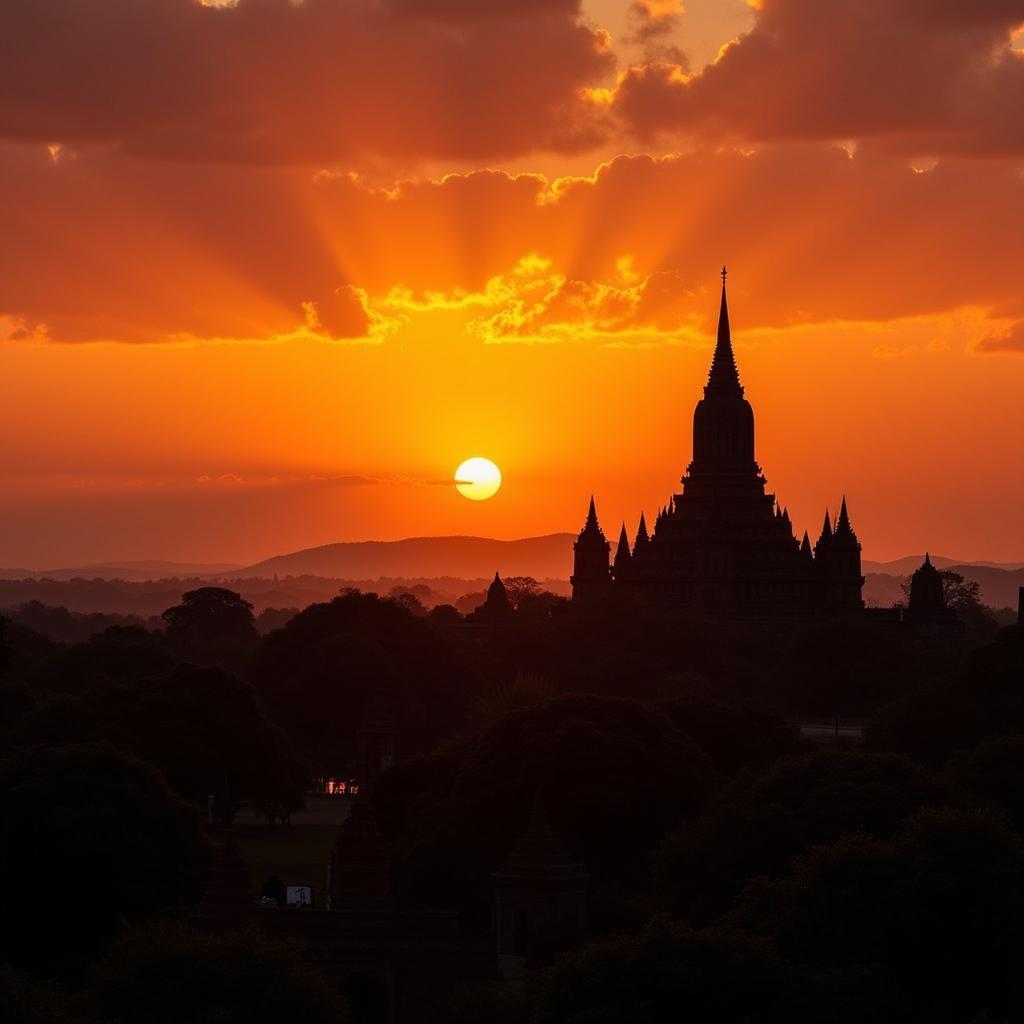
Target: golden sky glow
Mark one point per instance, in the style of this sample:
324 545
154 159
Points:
272 303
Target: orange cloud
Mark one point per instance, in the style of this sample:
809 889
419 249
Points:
1010 339
145 251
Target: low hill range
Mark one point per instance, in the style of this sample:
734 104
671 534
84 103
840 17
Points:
450 566
426 557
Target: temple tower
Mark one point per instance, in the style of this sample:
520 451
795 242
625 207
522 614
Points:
839 564
497 607
723 421
591 577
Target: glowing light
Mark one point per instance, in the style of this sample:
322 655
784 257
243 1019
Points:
478 479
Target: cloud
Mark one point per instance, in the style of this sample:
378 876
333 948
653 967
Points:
546 307
346 315
923 76
125 250
1010 339
652 24
277 81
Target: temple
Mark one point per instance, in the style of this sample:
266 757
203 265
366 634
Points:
723 545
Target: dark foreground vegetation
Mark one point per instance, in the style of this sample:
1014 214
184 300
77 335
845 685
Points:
738 871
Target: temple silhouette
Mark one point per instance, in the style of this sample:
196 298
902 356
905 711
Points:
723 545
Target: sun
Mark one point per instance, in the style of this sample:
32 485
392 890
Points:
478 479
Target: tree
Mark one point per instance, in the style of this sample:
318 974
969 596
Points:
202 727
612 774
167 975
444 615
994 773
90 837
928 920
212 626
318 674
670 972
518 587
120 654
410 602
759 826
273 618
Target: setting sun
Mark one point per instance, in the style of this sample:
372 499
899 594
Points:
478 479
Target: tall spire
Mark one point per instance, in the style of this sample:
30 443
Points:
592 513
622 556
805 546
843 522
641 532
723 366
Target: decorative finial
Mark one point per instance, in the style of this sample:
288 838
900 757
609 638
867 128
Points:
724 272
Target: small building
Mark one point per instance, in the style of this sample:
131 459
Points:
540 897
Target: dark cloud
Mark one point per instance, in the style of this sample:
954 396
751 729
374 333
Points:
925 77
273 80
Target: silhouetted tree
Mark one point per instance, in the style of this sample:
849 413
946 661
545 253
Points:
90 836
614 776
203 728
410 602
993 772
736 737
120 654
444 615
167 975
273 618
671 972
212 626
982 699
65 626
518 587
317 674
759 825
929 922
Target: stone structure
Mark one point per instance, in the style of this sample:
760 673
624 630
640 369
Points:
497 607
540 896
926 608
724 545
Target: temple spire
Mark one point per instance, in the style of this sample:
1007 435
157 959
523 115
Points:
805 546
723 366
843 522
622 556
592 513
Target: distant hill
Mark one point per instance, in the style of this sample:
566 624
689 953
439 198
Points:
908 563
139 571
450 566
464 557
998 586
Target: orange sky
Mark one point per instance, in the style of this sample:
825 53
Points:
271 272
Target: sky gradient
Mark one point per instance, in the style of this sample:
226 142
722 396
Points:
272 270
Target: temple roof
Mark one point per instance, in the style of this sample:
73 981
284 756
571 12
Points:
592 528
539 855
